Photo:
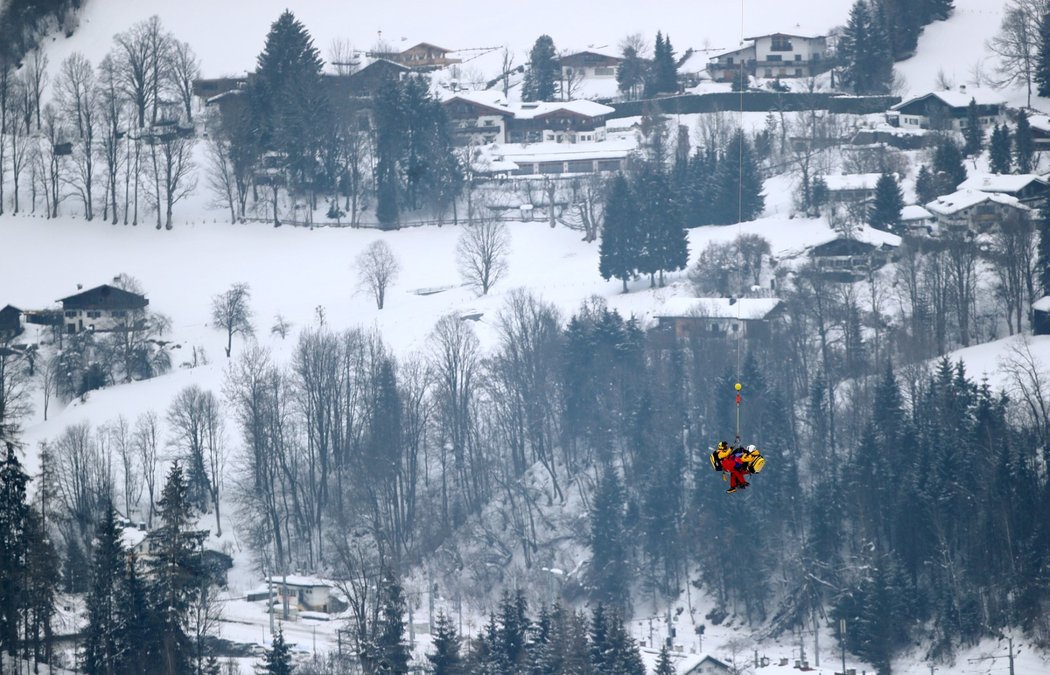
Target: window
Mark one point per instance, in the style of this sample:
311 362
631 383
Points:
798 72
798 57
604 72
774 57
729 60
71 314
769 72
781 43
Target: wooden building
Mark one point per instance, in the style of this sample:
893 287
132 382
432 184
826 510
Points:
10 323
102 308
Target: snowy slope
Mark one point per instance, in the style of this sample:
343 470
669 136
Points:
228 37
956 47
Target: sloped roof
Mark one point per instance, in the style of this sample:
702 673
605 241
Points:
914 212
964 199
994 182
1042 304
494 100
587 56
299 581
718 308
104 297
959 98
851 181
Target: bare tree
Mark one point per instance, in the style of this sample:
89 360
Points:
36 81
342 56
172 168
505 69
50 157
145 442
377 269
183 68
49 381
122 441
77 97
481 253
1017 43
231 312
14 391
143 54
6 118
18 133
215 452
586 210
221 174
112 123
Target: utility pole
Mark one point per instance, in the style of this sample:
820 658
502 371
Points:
1011 643
842 642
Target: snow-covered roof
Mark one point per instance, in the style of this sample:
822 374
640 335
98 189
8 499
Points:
299 580
914 212
1000 182
851 181
523 111
539 108
683 663
562 152
731 50
1042 304
865 234
960 98
964 199
718 308
1040 122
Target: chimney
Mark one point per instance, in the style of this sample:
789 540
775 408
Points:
962 88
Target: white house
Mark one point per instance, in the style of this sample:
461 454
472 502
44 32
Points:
481 117
747 318
948 109
975 210
790 54
588 65
1026 187
102 308
917 221
303 593
786 54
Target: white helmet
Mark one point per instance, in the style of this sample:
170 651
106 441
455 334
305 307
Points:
752 448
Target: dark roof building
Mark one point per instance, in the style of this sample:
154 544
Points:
104 297
10 322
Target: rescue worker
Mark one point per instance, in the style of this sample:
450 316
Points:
732 464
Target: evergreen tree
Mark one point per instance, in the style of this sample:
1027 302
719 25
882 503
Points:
42 578
664 244
543 73
287 98
390 654
889 200
665 68
1043 261
609 573
14 516
851 48
973 133
925 185
949 170
879 53
104 636
175 571
513 628
1024 146
999 152
738 183
621 655
1042 66
140 646
445 659
663 663
619 248
630 74
278 659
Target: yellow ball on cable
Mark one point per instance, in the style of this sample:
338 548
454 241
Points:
737 386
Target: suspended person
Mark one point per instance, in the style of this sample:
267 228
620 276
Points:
732 464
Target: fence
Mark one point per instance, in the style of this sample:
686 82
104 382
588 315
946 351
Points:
755 101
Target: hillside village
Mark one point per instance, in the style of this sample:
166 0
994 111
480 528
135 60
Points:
411 358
